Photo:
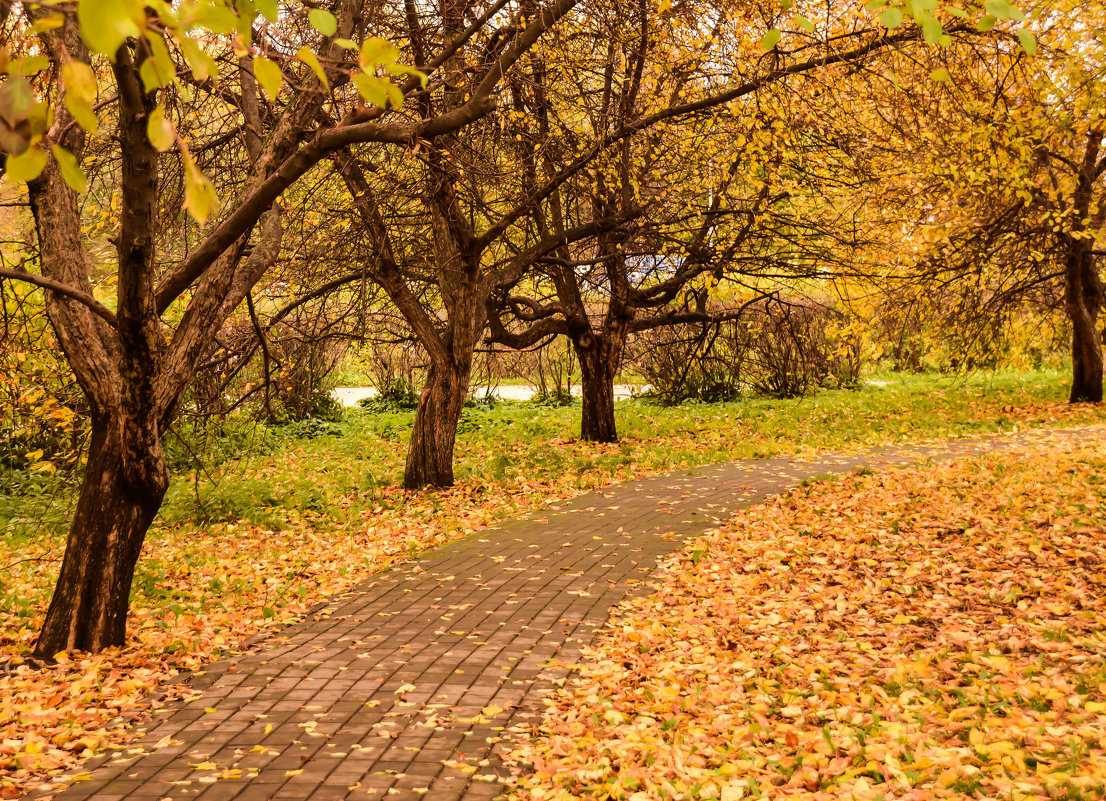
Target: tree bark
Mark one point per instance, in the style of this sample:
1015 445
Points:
598 365
434 435
88 610
1083 288
1083 296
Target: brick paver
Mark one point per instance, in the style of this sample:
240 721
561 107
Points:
386 691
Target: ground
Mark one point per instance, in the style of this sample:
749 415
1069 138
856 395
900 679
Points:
302 518
921 633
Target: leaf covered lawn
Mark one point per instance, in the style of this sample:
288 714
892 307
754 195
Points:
197 598
937 632
317 516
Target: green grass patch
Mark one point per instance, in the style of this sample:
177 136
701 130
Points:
330 469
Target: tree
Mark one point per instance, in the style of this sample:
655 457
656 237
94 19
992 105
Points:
742 185
135 361
1003 203
419 236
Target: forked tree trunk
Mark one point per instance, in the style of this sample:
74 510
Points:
88 610
1083 295
597 423
434 435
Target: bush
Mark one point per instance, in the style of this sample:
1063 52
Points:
43 413
782 350
311 427
551 368
324 406
481 402
554 398
208 442
700 363
394 367
396 394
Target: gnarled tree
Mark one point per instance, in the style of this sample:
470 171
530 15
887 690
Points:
135 361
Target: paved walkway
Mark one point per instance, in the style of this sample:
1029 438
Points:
403 688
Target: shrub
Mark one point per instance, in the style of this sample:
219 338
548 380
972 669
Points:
43 413
554 398
778 349
393 395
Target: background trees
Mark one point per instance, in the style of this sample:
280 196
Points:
998 208
200 178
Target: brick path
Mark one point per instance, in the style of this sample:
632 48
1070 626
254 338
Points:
436 660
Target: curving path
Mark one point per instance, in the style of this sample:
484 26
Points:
402 688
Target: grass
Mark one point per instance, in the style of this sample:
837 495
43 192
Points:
333 469
317 477
517 444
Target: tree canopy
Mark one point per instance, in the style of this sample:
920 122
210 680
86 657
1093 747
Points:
497 174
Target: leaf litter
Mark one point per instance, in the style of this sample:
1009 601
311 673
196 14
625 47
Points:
204 597
932 632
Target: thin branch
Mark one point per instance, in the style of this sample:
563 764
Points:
95 306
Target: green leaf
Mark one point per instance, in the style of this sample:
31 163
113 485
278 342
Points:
28 65
26 166
986 23
376 51
403 69
80 92
378 91
875 5
804 23
998 8
268 75
158 70
305 55
268 9
323 21
891 18
203 65
71 171
770 40
246 17
17 99
1028 41
939 75
956 12
168 11
160 130
931 29
371 89
217 18
48 23
199 193
395 94
106 24
82 112
18 106
79 80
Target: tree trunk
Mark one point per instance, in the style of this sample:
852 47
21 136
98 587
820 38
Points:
597 422
88 611
1083 295
430 454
